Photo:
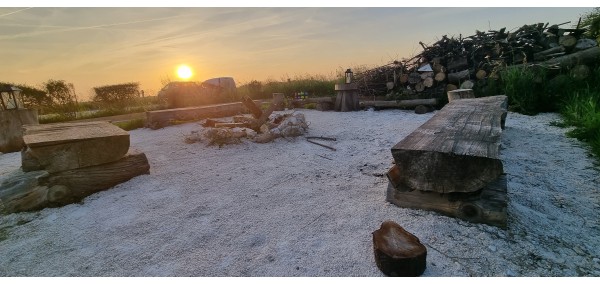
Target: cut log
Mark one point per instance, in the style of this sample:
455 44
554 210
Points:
65 146
426 75
467 84
540 56
419 87
422 109
403 78
585 43
589 56
460 94
74 185
458 64
414 78
457 150
481 74
487 205
252 107
255 125
399 104
567 41
27 191
428 82
451 87
438 68
23 191
398 252
458 77
440 76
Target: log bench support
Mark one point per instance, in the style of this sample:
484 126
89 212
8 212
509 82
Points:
451 163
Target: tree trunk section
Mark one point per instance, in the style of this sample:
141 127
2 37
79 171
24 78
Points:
440 76
428 82
460 94
458 77
399 104
252 107
398 252
589 56
457 150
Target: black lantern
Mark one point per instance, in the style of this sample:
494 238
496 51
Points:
348 76
10 97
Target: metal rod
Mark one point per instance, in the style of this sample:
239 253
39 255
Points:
328 147
322 137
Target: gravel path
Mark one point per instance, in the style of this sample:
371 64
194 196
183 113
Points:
291 208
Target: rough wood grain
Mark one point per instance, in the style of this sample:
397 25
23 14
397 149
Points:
79 183
487 205
456 150
460 94
65 146
398 252
399 104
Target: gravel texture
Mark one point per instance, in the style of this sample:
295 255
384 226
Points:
292 208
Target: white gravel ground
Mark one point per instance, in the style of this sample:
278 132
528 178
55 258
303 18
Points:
291 208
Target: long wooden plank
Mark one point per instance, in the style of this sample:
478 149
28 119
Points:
161 118
457 150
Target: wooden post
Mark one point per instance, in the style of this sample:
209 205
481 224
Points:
347 97
460 94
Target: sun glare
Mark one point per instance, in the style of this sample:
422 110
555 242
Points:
184 72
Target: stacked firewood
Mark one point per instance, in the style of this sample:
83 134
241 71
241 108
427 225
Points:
464 62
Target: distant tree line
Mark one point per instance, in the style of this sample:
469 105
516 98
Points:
59 96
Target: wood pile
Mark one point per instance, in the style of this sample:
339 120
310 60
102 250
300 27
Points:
468 62
262 127
63 163
451 163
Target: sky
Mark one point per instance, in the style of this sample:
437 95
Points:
97 46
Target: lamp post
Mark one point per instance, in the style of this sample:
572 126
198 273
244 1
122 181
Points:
347 94
349 76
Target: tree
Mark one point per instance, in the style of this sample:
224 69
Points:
591 21
118 96
64 99
33 98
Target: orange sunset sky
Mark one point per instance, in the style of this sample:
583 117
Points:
92 47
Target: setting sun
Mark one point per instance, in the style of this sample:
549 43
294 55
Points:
184 72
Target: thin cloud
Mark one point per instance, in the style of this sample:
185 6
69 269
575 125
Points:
14 12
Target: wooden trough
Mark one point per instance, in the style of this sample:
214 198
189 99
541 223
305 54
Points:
451 163
161 118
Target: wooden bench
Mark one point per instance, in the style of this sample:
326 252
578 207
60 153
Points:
451 162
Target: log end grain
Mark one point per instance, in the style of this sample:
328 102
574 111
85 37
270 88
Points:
398 252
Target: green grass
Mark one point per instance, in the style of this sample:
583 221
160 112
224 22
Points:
314 85
524 89
582 111
131 124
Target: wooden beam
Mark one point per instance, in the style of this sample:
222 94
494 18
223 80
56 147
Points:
457 150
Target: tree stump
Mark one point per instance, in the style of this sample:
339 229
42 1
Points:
460 94
398 252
